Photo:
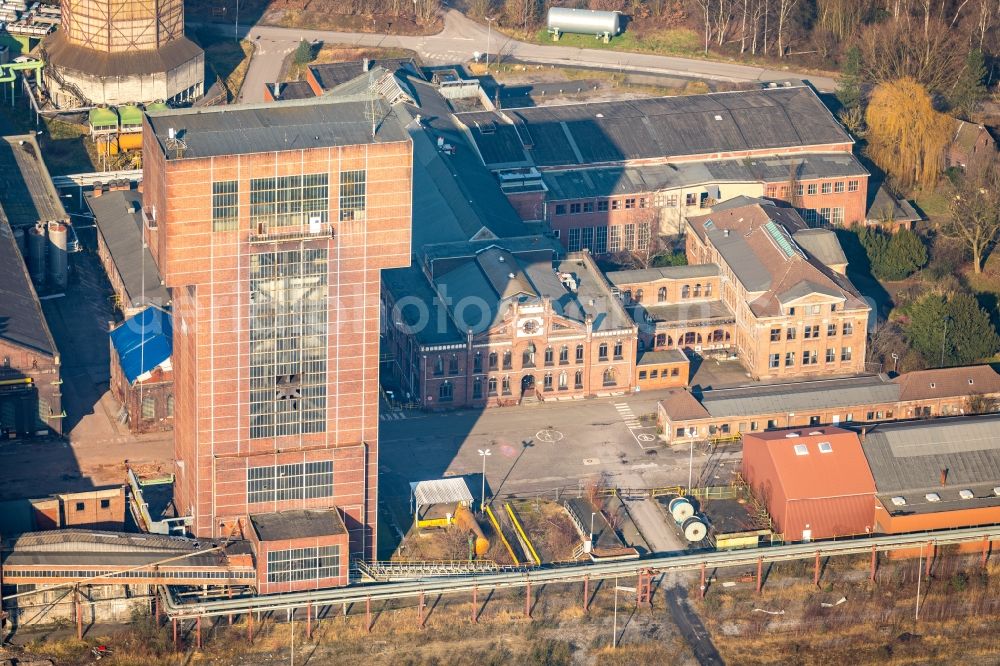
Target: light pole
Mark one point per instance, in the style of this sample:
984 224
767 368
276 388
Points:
489 36
236 30
895 362
691 467
944 338
614 636
592 514
484 453
920 567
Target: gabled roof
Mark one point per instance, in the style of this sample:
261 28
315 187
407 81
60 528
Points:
21 318
807 471
119 221
757 242
654 128
143 342
948 382
823 245
330 75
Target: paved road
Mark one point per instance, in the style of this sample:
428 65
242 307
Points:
569 444
461 37
691 627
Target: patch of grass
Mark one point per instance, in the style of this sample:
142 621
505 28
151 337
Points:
225 59
673 41
933 203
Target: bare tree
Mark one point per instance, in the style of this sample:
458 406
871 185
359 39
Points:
974 212
785 8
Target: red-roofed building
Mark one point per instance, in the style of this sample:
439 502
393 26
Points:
815 483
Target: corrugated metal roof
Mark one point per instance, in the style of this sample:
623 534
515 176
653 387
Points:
143 342
441 491
21 318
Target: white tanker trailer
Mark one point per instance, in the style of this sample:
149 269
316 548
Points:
584 22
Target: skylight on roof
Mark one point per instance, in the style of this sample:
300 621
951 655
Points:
932 497
801 450
899 501
780 238
709 224
966 494
825 447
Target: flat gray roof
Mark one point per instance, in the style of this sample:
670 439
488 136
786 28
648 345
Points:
664 356
297 524
800 396
276 126
665 273
593 182
697 311
26 191
21 318
119 221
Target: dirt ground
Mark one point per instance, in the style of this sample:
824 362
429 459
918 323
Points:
874 624
549 527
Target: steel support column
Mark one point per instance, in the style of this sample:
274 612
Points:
250 626
760 574
986 550
197 630
79 613
309 621
586 594
475 604
816 571
368 614
527 600
177 646
930 561
420 609
702 588
230 615
156 607
874 563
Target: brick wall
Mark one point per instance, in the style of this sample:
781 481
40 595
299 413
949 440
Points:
39 402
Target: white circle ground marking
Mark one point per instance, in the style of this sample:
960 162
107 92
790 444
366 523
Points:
548 435
645 437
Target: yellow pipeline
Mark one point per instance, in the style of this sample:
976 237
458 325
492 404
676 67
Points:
503 539
467 521
520 531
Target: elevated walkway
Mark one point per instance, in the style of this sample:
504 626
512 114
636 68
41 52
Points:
401 571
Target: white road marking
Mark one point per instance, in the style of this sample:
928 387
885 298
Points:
633 424
591 461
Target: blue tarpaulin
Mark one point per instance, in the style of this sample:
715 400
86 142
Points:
143 342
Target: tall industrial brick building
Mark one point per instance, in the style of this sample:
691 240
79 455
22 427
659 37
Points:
270 226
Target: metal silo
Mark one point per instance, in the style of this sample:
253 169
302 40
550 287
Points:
36 254
584 22
57 255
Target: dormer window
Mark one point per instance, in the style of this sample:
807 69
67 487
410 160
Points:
791 311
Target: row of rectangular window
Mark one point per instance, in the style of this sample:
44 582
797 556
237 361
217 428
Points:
811 332
278 483
654 374
810 357
836 187
602 240
289 200
298 564
601 206
112 573
661 294
826 216
815 420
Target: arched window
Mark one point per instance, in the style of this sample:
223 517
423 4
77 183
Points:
618 348
638 295
445 391
661 295
661 339
453 365
549 355
148 408
170 406
547 381
697 290
477 362
507 362
579 353
477 388
708 289
686 291
528 357
642 344
563 378
578 379
493 360
491 385
439 366
690 338
609 377
602 351
564 354
628 295
506 385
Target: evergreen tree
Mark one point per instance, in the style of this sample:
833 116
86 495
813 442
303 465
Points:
955 329
969 89
849 85
904 254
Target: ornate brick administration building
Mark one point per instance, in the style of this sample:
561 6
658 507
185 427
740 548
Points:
270 226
